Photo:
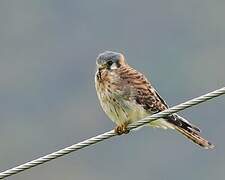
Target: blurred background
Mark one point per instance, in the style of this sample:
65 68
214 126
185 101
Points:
47 96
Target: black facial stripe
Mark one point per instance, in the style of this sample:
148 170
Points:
118 64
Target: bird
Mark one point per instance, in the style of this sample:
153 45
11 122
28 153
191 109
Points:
127 96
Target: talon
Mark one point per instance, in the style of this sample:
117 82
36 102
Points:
122 129
118 130
125 130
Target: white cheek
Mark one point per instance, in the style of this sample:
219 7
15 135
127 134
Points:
113 66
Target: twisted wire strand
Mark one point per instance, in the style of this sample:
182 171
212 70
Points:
110 134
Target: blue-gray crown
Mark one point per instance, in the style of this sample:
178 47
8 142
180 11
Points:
106 56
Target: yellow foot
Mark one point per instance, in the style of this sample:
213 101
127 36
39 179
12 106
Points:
122 129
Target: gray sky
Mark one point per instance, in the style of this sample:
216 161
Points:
47 96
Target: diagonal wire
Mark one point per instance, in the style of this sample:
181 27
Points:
110 134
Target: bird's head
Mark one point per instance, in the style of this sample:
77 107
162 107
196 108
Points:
110 60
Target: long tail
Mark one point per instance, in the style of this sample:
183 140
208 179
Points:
196 138
190 131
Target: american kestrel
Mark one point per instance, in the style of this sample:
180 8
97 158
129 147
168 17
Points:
127 96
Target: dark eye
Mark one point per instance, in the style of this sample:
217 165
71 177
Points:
109 63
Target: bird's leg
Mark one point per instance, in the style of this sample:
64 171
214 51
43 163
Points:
122 129
125 129
118 130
